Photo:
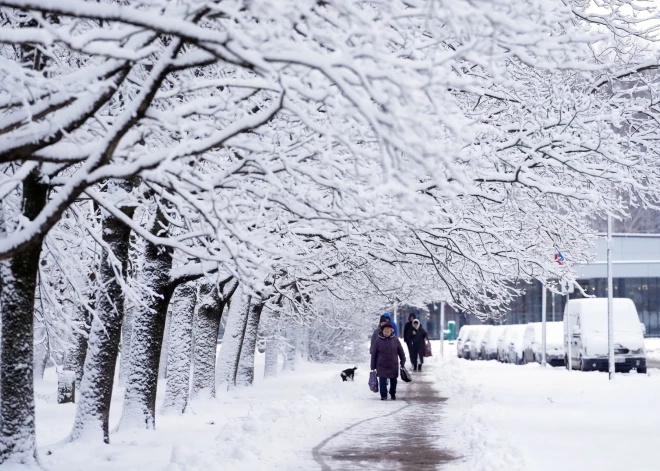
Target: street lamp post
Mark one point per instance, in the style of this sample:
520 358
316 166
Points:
610 300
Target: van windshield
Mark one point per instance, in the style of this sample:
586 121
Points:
594 319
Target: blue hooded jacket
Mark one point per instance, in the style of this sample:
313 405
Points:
396 329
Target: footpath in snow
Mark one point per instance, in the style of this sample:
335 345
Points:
406 435
507 417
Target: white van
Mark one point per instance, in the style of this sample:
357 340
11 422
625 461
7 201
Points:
588 323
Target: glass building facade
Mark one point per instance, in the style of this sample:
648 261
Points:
645 293
636 276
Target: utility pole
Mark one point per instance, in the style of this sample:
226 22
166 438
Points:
553 306
610 299
544 301
567 322
442 329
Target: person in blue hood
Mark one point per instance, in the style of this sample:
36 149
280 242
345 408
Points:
384 319
391 321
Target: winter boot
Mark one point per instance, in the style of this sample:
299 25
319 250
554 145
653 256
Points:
420 368
414 367
383 398
393 397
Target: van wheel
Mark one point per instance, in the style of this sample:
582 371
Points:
583 367
641 370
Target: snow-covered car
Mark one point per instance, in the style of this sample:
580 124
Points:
554 343
474 341
513 343
489 342
462 337
587 319
503 344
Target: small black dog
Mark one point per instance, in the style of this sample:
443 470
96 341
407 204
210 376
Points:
349 373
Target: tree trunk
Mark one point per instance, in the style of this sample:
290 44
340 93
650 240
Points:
245 373
273 344
289 347
180 349
74 360
41 352
232 341
139 409
162 362
18 279
126 332
306 339
93 410
207 325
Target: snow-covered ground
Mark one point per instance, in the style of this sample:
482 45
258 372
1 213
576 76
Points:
498 417
506 417
266 426
652 349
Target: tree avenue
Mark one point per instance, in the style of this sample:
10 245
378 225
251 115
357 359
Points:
286 168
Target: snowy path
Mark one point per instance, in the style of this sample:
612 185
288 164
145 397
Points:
653 363
403 436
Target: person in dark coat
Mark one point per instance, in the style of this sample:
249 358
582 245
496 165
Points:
407 333
418 340
386 355
383 320
391 321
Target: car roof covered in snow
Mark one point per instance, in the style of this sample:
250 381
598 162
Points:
554 332
593 314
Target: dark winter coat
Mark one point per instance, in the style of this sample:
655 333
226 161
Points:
407 332
417 340
374 336
384 355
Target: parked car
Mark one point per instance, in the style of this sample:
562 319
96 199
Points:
588 323
501 342
474 341
489 342
513 343
462 337
467 343
512 336
554 343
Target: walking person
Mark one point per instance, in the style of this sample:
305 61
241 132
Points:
391 321
407 333
418 345
381 322
386 355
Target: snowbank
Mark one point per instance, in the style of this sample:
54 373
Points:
506 417
652 349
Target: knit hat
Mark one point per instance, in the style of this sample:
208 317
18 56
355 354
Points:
415 321
383 319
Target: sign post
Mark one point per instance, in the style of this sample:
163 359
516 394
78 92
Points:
569 334
610 300
442 329
544 299
553 306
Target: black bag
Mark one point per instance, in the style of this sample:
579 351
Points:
405 376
